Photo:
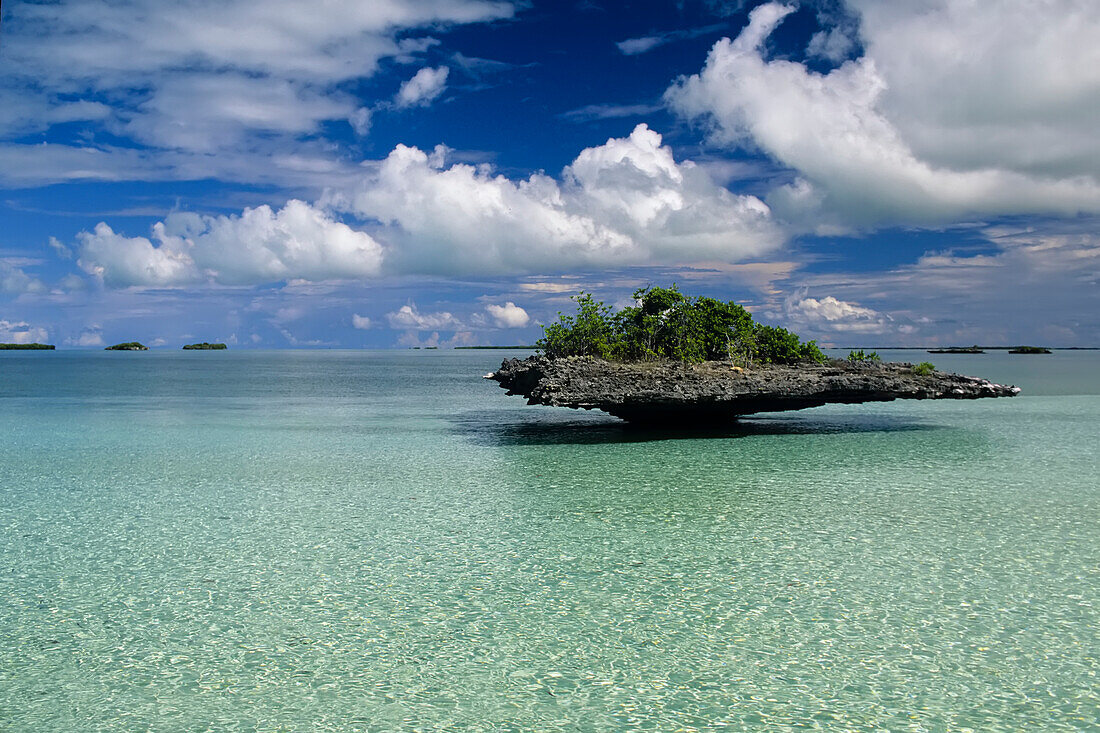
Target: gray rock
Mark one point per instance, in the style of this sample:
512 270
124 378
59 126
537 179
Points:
718 391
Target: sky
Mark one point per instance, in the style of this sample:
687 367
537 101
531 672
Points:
395 173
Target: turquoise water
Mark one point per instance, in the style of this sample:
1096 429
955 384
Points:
316 541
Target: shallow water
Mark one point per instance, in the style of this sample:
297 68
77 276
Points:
381 540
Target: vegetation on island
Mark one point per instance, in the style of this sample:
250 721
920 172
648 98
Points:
924 369
975 349
1028 350
860 355
128 346
666 324
26 347
204 347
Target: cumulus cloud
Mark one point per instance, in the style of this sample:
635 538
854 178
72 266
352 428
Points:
834 44
91 336
121 261
423 88
14 281
21 332
831 314
956 109
410 318
261 245
360 322
627 202
508 315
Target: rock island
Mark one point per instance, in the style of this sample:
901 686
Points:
718 391
693 361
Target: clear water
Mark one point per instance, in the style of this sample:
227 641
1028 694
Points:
315 541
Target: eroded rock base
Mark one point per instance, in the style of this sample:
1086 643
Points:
715 393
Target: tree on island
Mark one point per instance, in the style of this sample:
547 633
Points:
26 347
666 324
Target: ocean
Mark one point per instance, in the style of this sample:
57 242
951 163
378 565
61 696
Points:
382 540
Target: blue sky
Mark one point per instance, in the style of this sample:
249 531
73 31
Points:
418 172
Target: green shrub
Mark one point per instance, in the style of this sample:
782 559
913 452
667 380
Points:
589 333
924 369
859 355
777 345
666 324
810 352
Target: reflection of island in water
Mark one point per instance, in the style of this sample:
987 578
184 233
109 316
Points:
26 347
128 346
205 347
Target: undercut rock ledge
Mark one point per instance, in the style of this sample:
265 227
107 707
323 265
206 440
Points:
717 392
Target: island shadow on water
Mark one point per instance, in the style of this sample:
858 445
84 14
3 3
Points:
488 428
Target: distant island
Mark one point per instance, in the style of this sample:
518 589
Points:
128 346
692 361
511 348
1028 350
205 347
957 350
26 347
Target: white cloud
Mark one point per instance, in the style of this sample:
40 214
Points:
627 202
265 160
14 281
90 335
423 88
831 314
1040 284
635 46
62 251
609 111
210 112
360 121
21 332
833 45
260 245
122 261
360 322
236 76
545 287
409 317
645 44
957 109
72 282
508 315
